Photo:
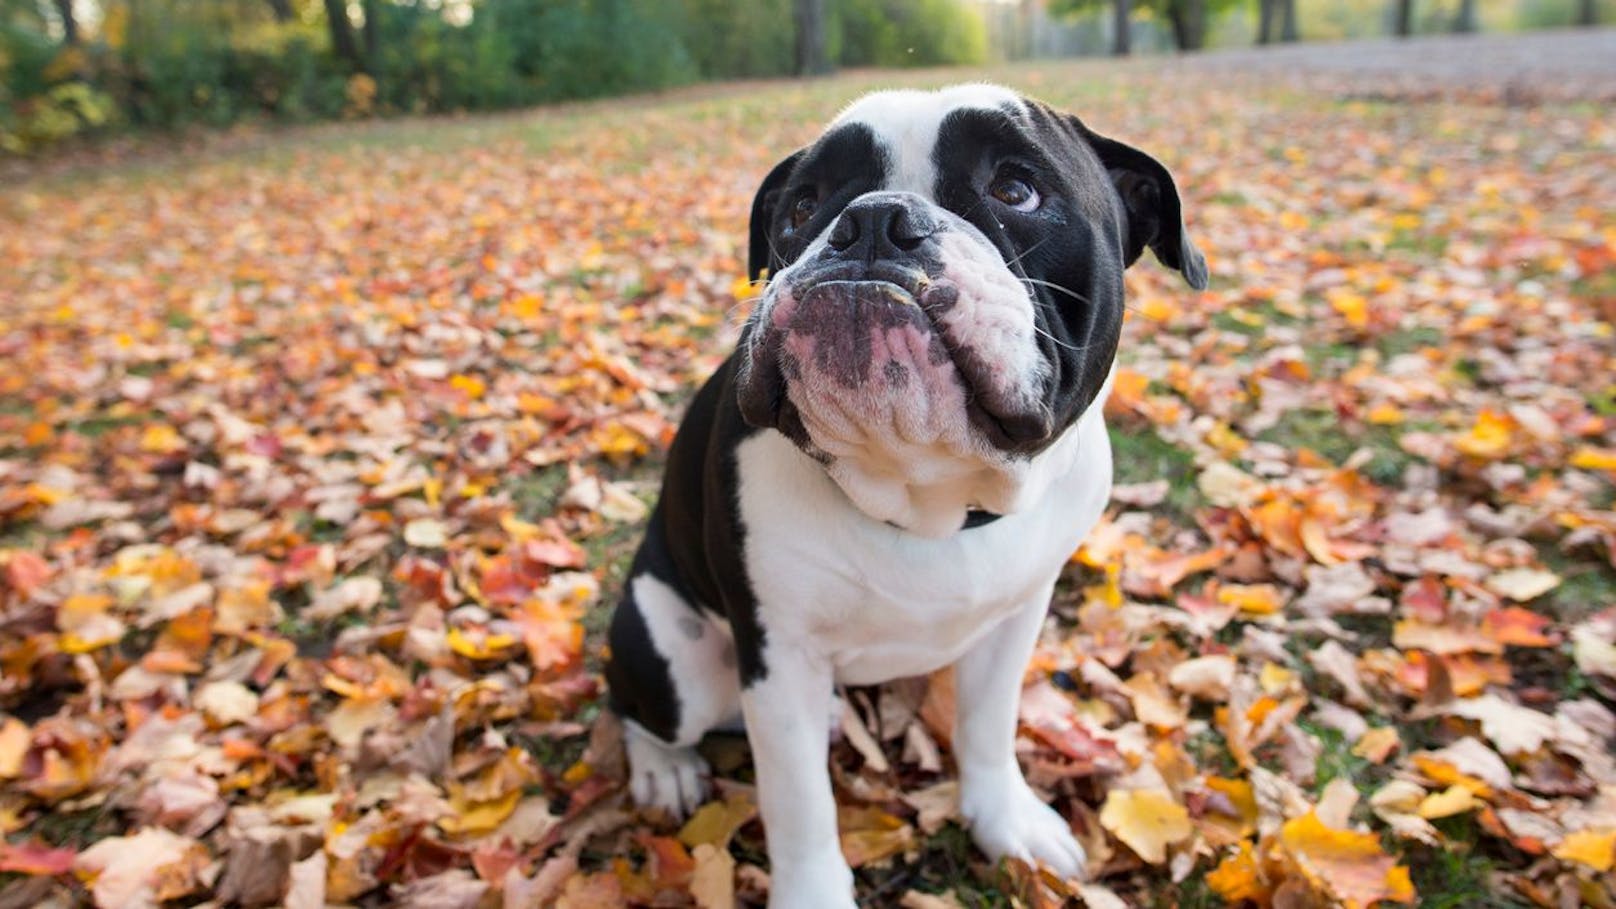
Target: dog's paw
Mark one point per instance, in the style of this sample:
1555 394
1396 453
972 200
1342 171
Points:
813 885
664 776
1012 821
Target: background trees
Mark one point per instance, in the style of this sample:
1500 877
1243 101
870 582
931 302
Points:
71 65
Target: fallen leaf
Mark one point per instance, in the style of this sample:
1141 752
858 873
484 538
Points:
1148 821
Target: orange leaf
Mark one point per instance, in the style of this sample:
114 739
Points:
1238 877
26 572
1346 865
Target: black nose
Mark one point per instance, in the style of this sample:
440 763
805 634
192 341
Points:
884 226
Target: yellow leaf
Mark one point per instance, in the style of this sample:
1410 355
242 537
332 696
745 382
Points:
1377 744
1594 459
1594 848
471 817
1346 865
479 646
715 822
1456 799
15 740
712 883
1275 679
1147 820
161 438
470 386
1490 437
870 835
1352 307
1252 599
1384 414
527 307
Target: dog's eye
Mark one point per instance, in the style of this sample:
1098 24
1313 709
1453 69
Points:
1015 193
802 211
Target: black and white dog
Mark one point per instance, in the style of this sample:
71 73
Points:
887 476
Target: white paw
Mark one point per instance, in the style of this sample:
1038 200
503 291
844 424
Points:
826 884
664 776
1009 820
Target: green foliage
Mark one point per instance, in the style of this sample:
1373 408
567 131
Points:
910 33
171 63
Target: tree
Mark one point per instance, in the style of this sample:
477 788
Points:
1288 32
70 25
342 36
1465 21
1266 10
282 10
1122 30
1188 19
813 58
1403 18
1587 14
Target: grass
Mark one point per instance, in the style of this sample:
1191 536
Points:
1326 434
943 865
1458 876
1142 456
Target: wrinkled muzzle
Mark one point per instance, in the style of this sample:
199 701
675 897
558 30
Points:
899 329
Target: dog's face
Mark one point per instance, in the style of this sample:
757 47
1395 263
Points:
945 295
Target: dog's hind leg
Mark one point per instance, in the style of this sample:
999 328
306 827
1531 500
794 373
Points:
672 678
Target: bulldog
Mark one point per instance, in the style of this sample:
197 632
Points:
887 475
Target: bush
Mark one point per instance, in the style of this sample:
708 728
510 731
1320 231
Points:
171 63
910 33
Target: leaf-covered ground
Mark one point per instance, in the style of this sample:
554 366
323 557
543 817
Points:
321 456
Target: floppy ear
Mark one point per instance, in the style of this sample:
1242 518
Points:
759 256
1151 199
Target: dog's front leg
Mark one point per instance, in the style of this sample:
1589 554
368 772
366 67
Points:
1006 817
785 723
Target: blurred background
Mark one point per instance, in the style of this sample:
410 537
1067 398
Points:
69 68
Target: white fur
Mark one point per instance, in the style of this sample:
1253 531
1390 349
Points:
670 777
700 654
846 599
906 122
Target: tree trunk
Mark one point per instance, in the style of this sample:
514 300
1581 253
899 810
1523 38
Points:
342 36
812 55
1587 14
282 10
1464 21
1288 30
1122 40
1265 21
70 25
1189 23
373 22
1403 19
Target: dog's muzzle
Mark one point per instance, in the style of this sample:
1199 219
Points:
897 326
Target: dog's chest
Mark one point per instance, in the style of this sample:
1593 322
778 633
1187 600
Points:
882 604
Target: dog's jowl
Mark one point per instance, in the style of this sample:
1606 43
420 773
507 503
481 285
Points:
888 474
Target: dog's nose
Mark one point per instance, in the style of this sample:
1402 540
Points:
882 227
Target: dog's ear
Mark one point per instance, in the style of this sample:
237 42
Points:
1150 197
760 256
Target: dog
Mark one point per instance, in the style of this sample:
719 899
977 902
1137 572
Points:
887 475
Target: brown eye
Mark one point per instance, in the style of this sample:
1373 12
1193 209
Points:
1015 193
802 211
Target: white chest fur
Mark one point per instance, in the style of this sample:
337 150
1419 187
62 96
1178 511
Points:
879 603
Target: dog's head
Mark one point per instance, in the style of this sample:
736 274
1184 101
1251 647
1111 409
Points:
945 293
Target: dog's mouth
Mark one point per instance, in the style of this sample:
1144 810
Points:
841 337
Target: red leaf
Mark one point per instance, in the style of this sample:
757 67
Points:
35 857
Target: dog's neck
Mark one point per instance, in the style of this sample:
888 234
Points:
932 497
